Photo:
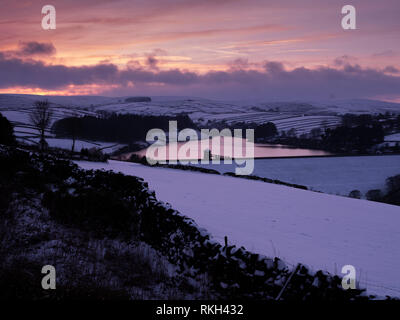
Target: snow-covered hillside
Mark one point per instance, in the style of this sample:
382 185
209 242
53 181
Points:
324 231
302 116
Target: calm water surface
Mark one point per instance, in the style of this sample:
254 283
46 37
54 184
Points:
238 148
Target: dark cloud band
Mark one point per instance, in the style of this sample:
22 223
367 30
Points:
274 82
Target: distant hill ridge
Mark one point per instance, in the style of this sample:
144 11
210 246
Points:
336 106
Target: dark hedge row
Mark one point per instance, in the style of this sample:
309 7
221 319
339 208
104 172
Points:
274 181
124 128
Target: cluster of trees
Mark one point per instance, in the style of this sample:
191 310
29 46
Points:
123 128
388 121
391 195
340 140
265 131
262 132
357 134
138 99
350 139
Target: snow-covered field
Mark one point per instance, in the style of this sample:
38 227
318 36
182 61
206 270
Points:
105 147
334 175
323 231
301 116
393 137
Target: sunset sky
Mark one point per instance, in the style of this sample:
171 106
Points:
224 49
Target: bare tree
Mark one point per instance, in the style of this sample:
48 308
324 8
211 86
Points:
41 118
74 128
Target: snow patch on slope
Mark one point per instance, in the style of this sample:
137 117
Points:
323 231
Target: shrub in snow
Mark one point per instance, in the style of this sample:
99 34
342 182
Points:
374 195
356 194
6 131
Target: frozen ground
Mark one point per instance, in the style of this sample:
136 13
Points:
323 231
334 175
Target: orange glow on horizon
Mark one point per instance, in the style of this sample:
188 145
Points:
70 90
